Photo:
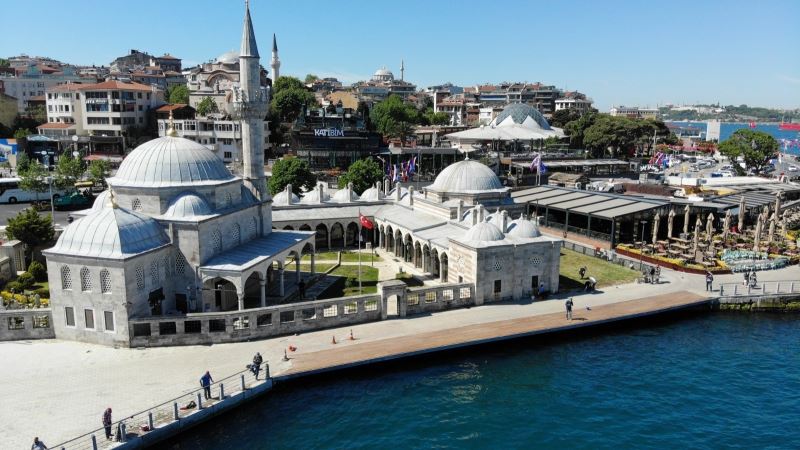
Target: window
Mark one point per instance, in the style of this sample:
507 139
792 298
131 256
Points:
69 316
66 278
105 281
464 293
180 264
136 205
167 328
350 308
371 305
216 325
241 323
430 297
42 321
216 241
309 313
141 329
497 286
330 311
167 265
16 323
191 326
88 319
412 300
139 277
447 294
287 316
227 155
228 199
108 320
253 228
155 273
86 280
264 320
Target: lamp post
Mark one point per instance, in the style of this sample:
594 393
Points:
641 254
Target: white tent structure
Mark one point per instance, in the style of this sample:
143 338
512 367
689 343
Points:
517 122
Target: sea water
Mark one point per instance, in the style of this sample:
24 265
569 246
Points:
707 381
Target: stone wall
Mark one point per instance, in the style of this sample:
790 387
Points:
23 324
439 298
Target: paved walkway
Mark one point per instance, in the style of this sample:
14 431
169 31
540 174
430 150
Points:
60 388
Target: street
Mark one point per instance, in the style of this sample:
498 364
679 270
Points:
8 210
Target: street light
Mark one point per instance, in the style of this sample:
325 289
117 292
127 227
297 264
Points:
641 254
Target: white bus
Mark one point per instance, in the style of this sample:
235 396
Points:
10 192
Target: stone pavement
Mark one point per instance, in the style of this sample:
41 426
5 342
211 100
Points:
57 390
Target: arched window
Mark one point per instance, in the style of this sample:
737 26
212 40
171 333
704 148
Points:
140 277
253 231
167 266
236 235
228 200
86 280
216 241
155 276
105 281
180 264
136 205
66 278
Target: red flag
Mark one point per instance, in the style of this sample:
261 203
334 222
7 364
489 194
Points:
366 223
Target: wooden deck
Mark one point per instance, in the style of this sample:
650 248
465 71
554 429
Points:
354 354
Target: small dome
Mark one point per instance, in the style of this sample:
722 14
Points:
523 228
187 205
372 195
101 201
312 197
110 233
483 231
341 196
496 219
170 161
383 72
280 199
466 176
519 112
231 57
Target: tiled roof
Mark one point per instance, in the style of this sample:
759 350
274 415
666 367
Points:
56 126
116 85
66 87
171 107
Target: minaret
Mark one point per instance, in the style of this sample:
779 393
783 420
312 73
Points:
402 70
250 106
275 63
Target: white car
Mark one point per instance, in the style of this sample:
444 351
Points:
793 169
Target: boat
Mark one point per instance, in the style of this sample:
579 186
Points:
789 126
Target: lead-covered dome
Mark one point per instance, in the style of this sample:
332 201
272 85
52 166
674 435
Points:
372 194
170 161
110 233
341 196
483 232
101 201
523 228
519 112
187 205
466 176
281 199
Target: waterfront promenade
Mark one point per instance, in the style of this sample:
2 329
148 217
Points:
57 390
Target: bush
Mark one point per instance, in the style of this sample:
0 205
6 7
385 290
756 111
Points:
14 286
38 271
42 292
26 280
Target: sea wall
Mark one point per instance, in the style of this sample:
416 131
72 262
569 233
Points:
759 303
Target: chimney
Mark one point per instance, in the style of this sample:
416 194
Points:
349 192
411 195
475 216
397 191
504 215
386 186
289 194
460 210
321 192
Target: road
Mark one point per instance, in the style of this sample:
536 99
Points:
7 211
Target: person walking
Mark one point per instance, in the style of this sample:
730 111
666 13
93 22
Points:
709 281
205 382
569 304
582 272
107 422
257 360
38 445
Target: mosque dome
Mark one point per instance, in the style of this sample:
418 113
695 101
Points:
312 197
372 194
466 176
100 201
231 57
519 112
383 73
280 199
341 196
110 233
523 228
484 232
187 205
170 161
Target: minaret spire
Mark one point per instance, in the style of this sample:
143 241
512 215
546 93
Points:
402 70
249 47
275 63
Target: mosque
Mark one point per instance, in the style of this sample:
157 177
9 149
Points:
178 234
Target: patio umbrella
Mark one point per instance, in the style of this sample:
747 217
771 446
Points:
709 227
742 210
686 220
656 221
773 221
697 226
757 239
726 225
670 219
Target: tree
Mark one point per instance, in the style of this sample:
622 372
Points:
207 106
363 173
68 171
98 171
436 118
36 113
610 132
33 178
756 147
310 78
576 129
291 171
4 62
563 116
31 228
286 83
23 162
393 117
289 97
178 93
22 133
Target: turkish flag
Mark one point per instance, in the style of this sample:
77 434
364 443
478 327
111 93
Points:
366 223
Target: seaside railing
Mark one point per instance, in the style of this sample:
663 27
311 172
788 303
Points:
759 289
139 424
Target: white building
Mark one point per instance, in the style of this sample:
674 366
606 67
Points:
633 112
577 104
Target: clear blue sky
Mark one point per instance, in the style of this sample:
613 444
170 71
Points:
618 52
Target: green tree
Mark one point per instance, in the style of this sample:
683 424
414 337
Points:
310 78
36 113
286 83
612 133
22 133
576 129
363 173
291 171
33 178
289 97
31 228
4 62
98 171
756 147
436 118
23 162
393 117
178 93
563 116
69 170
207 106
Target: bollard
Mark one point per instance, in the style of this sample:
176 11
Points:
94 443
150 420
791 286
199 401
221 391
721 290
123 432
735 289
175 415
764 288
243 388
778 288
749 288
266 371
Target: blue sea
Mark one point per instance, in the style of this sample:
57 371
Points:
727 129
704 381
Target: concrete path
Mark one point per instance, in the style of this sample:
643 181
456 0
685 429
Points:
58 390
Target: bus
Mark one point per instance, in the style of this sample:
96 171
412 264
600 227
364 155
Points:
10 192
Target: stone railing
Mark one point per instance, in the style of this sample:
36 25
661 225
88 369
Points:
768 288
439 298
257 323
22 324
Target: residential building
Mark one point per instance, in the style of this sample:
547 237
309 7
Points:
32 81
634 112
574 101
384 84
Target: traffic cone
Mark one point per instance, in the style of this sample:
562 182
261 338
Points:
333 340
285 356
351 336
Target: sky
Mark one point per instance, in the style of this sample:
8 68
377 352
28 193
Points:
634 53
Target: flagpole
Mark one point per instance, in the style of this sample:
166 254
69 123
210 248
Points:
359 252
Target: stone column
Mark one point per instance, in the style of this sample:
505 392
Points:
240 294
263 282
281 290
329 238
313 266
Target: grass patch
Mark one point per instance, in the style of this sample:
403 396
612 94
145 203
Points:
606 273
317 266
347 257
348 282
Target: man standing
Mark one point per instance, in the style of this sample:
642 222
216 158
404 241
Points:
205 382
569 308
107 422
38 445
257 360
709 281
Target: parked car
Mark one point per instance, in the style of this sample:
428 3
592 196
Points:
74 200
